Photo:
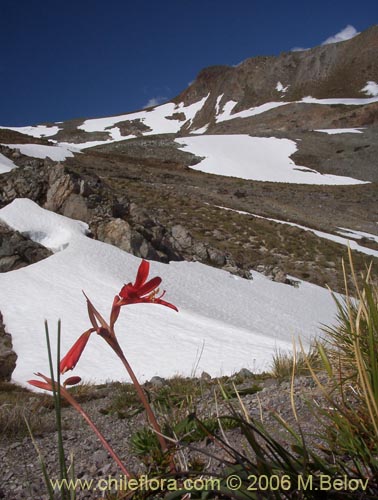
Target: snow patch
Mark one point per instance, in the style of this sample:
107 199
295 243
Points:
281 88
333 131
201 130
157 118
341 100
56 153
37 131
6 165
371 88
217 104
230 105
358 234
254 158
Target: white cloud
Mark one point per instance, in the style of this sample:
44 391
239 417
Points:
154 101
345 34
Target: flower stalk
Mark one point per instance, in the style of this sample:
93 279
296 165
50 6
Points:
141 291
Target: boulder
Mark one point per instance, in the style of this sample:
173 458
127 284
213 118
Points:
17 250
117 232
8 357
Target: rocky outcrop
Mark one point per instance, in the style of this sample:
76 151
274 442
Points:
182 241
334 70
8 357
60 189
133 127
16 250
111 218
87 198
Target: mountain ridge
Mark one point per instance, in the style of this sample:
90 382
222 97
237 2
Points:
148 156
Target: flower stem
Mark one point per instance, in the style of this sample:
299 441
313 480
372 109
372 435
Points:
142 396
72 401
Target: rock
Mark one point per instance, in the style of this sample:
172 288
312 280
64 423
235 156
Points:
16 250
216 257
279 276
200 251
133 127
157 382
76 207
8 357
117 232
16 154
182 239
245 373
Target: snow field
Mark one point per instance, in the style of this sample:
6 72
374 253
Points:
254 158
239 323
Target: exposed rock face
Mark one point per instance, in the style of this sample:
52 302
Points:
337 70
18 251
111 219
181 239
7 356
133 127
61 190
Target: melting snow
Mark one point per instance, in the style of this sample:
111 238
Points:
36 130
332 131
239 322
281 88
342 100
327 236
156 118
217 104
201 130
56 153
254 158
230 105
358 235
371 88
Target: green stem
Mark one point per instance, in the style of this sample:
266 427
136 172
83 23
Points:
57 406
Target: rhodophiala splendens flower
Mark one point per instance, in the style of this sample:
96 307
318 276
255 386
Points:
141 291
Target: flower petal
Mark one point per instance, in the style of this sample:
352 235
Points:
116 308
40 384
72 357
164 303
149 286
142 273
127 291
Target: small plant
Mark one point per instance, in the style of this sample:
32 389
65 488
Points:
284 363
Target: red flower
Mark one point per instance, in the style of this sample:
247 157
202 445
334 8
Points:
141 291
73 355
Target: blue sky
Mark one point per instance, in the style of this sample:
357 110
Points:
62 60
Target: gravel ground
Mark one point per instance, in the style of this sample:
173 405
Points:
21 476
